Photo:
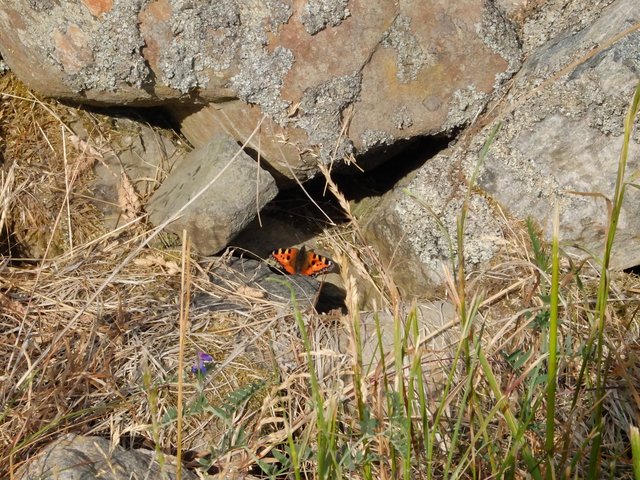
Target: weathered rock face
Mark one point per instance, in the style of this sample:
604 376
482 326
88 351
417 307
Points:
562 133
238 188
345 76
560 141
414 226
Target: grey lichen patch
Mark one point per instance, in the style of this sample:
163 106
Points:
596 92
261 78
117 44
598 89
261 73
410 57
318 14
204 36
554 17
596 84
626 52
499 34
401 118
321 115
465 105
279 13
41 5
429 217
375 138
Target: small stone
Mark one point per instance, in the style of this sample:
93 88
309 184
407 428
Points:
230 188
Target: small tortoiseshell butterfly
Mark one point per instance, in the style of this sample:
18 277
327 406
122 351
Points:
302 261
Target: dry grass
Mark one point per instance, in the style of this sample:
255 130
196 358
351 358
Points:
44 176
90 379
113 371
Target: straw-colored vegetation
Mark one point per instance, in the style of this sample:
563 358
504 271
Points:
541 379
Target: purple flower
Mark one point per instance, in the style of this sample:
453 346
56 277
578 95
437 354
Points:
202 363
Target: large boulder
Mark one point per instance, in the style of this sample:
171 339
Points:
341 76
562 132
559 143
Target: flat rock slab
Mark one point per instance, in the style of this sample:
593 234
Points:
76 457
253 281
434 321
234 188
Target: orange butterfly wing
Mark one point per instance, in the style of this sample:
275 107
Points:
315 264
312 264
287 258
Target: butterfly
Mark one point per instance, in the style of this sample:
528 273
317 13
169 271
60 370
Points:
302 261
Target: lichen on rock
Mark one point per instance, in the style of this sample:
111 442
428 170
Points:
204 36
318 14
410 57
321 117
261 78
116 44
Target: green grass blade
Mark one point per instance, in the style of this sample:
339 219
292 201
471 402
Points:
553 345
324 434
511 420
539 254
634 435
603 290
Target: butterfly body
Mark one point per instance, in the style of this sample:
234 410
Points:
301 261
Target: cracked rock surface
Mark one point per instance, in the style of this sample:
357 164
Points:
320 74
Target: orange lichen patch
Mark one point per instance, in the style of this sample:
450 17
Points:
155 30
98 7
72 49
